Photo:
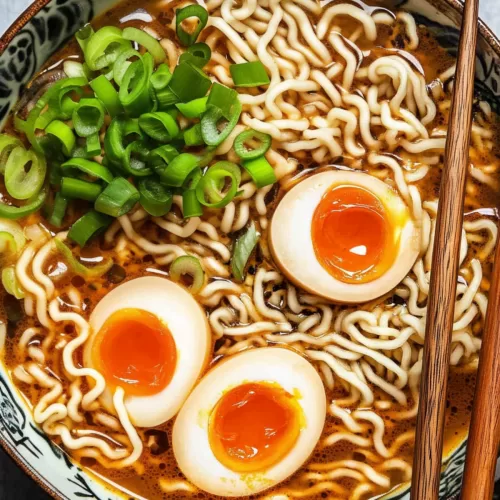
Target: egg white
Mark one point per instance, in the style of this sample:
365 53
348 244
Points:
190 439
179 311
292 247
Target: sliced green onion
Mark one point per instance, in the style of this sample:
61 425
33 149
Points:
206 157
25 173
260 171
58 210
162 156
107 94
198 54
72 167
185 13
193 137
93 146
242 251
88 117
135 160
11 283
63 134
159 126
161 77
7 144
156 199
77 267
104 46
189 82
193 109
88 226
191 207
178 169
209 190
83 36
152 45
165 98
118 198
114 142
210 131
74 69
62 104
78 189
252 136
14 233
32 205
223 98
250 74
122 63
134 90
188 265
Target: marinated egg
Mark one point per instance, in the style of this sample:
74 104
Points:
344 235
251 422
150 337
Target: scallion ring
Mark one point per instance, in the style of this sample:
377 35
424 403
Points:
250 74
103 47
88 226
152 45
88 117
194 108
59 208
134 90
189 82
81 190
107 94
156 199
118 198
32 205
257 141
77 267
178 170
161 77
188 265
261 171
210 131
210 189
191 207
25 173
159 125
11 283
7 144
74 166
187 12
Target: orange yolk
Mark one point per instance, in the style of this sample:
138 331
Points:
136 351
351 234
254 426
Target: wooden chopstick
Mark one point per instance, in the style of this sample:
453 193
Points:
443 284
484 432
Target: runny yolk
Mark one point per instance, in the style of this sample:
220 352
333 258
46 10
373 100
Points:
253 426
136 351
351 234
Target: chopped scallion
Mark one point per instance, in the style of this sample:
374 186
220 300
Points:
250 74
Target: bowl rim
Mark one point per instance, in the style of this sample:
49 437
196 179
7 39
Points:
24 18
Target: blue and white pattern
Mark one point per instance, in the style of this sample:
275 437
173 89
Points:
43 35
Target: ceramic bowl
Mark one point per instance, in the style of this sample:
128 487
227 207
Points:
40 31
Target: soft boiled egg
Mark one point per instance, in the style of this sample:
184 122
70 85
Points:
251 422
150 337
344 235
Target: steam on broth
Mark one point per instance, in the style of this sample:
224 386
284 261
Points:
277 285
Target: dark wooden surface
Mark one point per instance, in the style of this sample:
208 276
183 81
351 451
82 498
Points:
15 484
445 261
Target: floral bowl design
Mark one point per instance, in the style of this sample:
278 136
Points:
40 31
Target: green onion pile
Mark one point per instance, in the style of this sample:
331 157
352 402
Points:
109 134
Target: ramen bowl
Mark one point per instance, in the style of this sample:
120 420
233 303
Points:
41 30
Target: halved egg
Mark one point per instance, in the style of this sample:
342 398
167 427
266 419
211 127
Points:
346 236
150 337
251 422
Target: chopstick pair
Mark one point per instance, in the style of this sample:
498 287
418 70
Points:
485 424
